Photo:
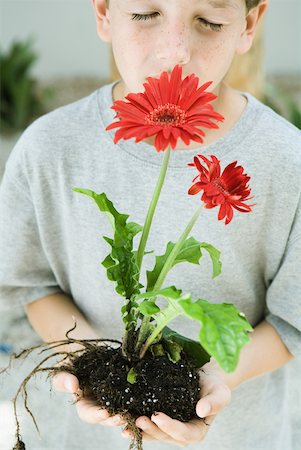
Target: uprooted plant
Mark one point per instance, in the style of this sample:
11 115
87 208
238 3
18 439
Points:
154 368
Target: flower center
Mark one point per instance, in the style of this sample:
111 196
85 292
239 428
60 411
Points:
221 186
166 115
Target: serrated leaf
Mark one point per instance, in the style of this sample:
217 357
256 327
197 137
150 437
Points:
223 330
121 262
128 313
106 206
190 252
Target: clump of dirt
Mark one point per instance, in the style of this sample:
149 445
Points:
160 385
155 383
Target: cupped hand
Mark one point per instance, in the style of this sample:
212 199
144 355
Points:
215 395
87 410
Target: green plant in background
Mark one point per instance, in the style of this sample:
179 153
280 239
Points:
21 100
283 103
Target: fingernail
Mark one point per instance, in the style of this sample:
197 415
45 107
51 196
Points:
155 416
103 414
125 434
205 410
117 420
68 385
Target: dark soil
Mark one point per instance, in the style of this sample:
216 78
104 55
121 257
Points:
102 371
161 385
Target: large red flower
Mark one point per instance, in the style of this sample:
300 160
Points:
228 190
169 108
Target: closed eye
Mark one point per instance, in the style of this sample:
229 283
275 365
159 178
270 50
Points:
204 22
212 26
145 16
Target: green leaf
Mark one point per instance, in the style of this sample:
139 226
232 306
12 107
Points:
148 308
173 350
192 348
223 330
190 252
168 292
121 263
157 350
107 207
131 376
128 313
172 310
215 258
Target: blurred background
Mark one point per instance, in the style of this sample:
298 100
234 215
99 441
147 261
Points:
50 55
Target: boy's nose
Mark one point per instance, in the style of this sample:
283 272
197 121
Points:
173 46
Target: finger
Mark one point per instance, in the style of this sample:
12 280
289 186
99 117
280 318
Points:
151 433
166 440
147 437
217 398
150 430
65 382
114 421
89 412
185 433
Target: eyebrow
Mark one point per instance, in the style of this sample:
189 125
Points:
222 4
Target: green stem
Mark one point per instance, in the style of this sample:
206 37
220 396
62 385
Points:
171 312
143 333
176 250
152 208
149 341
165 269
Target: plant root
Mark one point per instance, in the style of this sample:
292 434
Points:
102 371
62 356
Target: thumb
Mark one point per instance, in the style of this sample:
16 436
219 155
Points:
65 382
214 401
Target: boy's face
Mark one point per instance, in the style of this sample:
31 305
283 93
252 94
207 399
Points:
150 36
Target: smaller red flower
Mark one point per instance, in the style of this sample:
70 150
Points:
228 190
170 108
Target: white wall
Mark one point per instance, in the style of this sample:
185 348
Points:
67 42
283 37
65 33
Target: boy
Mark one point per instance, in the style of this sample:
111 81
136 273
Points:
49 241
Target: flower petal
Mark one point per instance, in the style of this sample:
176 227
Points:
179 107
195 188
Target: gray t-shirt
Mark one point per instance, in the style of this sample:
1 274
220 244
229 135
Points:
50 241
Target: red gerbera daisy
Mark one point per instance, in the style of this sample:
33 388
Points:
169 108
228 190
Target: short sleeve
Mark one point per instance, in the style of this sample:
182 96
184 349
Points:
25 274
284 293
